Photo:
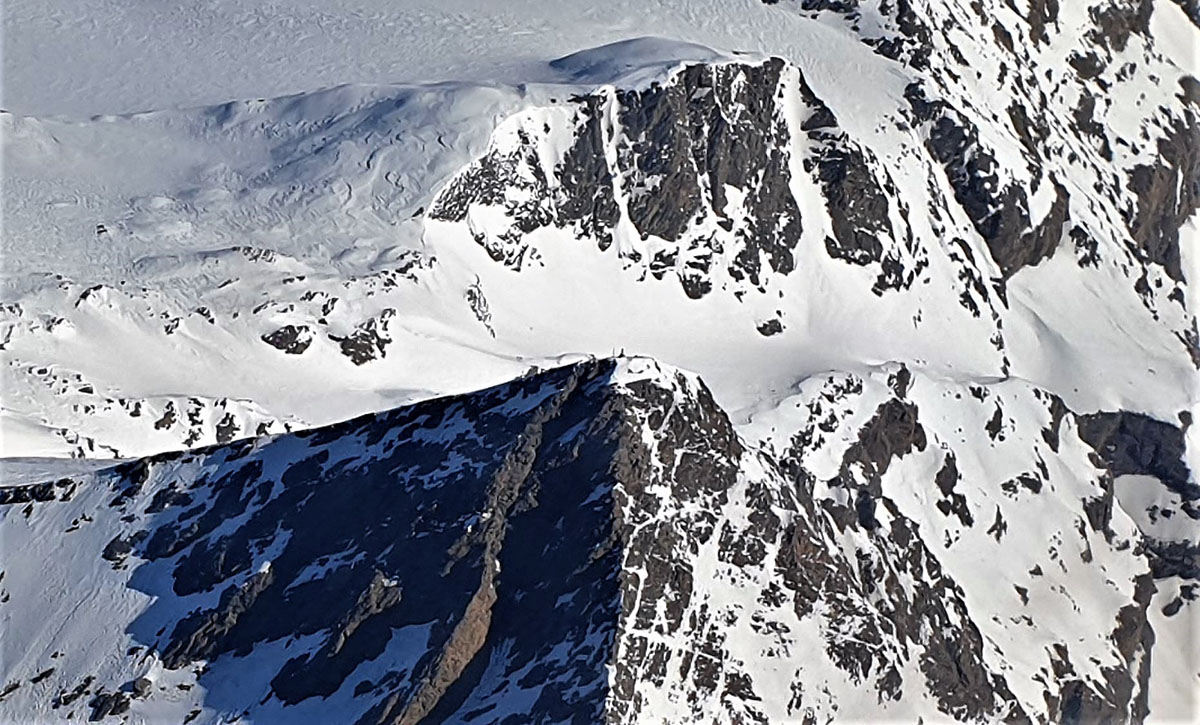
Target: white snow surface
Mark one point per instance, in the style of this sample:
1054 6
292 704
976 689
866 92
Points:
1025 598
80 59
209 227
180 181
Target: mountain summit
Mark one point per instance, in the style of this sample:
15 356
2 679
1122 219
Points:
595 542
740 361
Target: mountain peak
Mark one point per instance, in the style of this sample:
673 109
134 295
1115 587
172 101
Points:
805 360
597 536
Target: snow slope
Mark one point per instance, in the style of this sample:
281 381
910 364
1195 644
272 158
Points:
933 259
413 564
324 215
109 58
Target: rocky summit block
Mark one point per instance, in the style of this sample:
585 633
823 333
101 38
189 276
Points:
592 543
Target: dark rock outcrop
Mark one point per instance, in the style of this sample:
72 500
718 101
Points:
292 339
567 534
681 143
1133 443
1168 194
998 209
369 341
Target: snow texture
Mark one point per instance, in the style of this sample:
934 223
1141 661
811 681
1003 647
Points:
302 390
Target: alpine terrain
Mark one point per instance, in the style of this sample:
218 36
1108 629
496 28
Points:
744 362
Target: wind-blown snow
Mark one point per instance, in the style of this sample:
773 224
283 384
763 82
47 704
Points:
387 211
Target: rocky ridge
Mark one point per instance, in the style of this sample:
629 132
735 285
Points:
936 204
595 542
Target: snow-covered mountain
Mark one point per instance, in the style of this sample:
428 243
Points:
933 259
598 542
374 246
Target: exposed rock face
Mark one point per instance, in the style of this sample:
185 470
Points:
931 539
713 126
596 542
1131 443
998 209
1117 21
860 196
1014 167
998 138
708 175
679 145
701 167
1167 193
292 339
368 341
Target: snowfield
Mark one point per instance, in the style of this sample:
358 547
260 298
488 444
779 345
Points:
900 293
